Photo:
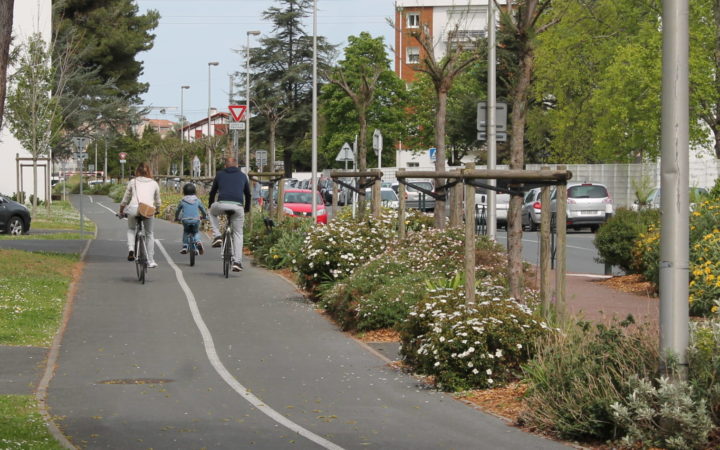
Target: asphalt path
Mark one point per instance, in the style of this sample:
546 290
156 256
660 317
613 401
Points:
193 360
580 250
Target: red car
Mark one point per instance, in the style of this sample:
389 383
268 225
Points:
298 202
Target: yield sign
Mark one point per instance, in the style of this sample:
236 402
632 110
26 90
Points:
237 111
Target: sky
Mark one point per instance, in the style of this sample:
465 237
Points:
192 33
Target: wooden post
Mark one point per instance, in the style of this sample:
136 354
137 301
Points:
561 225
18 171
455 195
280 203
469 238
401 209
334 204
376 198
545 293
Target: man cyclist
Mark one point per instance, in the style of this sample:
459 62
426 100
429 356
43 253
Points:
233 194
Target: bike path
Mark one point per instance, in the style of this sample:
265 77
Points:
194 360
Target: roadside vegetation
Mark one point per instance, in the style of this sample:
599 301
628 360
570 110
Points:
34 290
60 221
591 383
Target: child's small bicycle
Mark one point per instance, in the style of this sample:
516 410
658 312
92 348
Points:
192 228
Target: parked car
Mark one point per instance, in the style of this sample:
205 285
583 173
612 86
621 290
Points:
298 202
588 205
388 197
531 209
417 199
14 217
502 205
654 198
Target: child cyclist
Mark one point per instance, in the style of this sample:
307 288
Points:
189 211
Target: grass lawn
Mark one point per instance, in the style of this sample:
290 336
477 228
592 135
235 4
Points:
33 294
60 216
22 426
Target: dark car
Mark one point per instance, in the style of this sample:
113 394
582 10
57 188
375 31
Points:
14 217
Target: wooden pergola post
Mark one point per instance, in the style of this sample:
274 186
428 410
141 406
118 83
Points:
469 238
334 203
545 250
561 226
376 198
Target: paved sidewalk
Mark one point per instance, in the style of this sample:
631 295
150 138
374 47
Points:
587 296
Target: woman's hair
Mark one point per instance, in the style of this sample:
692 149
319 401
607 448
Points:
143 170
189 189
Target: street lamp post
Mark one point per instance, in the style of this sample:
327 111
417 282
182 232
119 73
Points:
209 151
182 130
314 116
247 100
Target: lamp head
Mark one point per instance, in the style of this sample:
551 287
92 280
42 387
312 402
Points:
253 33
184 87
213 63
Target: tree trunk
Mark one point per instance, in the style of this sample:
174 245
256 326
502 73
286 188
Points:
442 96
6 22
362 158
516 279
271 189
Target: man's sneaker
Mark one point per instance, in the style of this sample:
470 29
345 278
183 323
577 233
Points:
152 264
131 255
200 248
237 267
184 250
217 241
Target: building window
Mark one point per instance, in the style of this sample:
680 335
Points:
413 20
413 55
413 164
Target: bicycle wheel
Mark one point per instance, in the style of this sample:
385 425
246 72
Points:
140 258
191 251
227 252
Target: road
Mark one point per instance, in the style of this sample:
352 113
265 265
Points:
193 360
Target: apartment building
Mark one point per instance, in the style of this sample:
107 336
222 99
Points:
444 20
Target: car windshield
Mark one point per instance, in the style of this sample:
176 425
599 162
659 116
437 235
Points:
300 197
587 191
386 195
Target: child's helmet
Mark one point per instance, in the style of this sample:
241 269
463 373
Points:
189 189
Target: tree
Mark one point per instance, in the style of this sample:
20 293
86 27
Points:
363 73
6 24
285 60
459 55
112 33
36 110
519 30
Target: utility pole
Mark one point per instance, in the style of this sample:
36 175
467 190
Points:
491 221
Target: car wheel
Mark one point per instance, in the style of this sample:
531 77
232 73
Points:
15 226
533 226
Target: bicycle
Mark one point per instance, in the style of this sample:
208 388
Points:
192 245
140 251
227 244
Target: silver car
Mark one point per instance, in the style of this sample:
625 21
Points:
416 199
531 209
588 205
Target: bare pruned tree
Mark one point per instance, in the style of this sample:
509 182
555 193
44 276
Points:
6 25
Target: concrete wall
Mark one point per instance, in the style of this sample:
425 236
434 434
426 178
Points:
29 16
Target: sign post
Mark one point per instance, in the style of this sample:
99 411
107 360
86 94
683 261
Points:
123 155
80 144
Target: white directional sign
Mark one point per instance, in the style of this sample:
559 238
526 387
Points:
237 125
261 157
377 141
346 154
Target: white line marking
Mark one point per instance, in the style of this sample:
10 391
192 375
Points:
226 376
112 211
91 199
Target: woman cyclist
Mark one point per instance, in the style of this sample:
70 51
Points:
141 189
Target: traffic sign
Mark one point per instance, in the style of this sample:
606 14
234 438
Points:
237 112
261 157
123 155
499 137
377 141
237 125
500 116
432 153
346 154
81 143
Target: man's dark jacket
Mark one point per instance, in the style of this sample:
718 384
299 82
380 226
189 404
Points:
231 185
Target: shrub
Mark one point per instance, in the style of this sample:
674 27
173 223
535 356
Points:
704 363
704 257
578 373
469 345
646 254
334 251
663 415
615 240
116 192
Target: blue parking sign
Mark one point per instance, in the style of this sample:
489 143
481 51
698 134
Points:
432 152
